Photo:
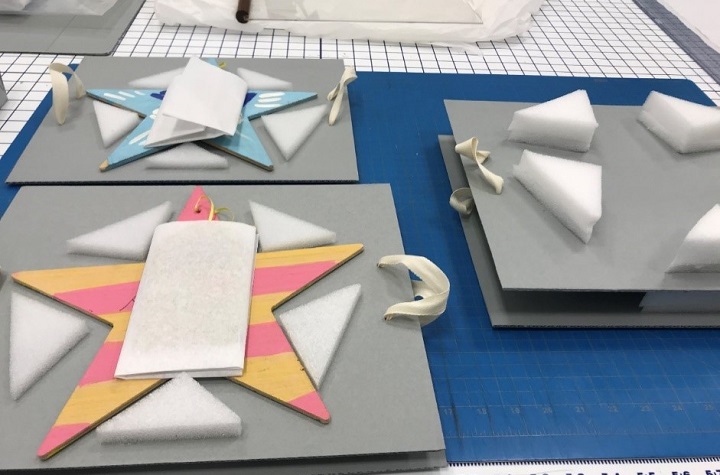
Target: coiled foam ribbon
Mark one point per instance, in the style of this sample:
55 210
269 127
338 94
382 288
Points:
469 149
61 89
338 93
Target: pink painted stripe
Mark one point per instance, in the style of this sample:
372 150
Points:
269 280
103 366
58 436
313 405
266 339
197 207
101 300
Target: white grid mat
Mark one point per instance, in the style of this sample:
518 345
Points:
611 38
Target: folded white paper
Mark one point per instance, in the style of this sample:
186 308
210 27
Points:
192 308
201 103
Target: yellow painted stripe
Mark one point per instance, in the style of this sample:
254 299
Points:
95 403
302 256
280 377
53 281
119 322
261 307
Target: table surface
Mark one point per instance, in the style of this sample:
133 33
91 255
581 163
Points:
611 38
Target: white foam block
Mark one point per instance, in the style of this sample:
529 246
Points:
180 409
192 307
156 81
685 126
571 190
262 82
187 156
566 122
126 239
316 328
40 336
114 122
700 251
279 231
678 301
289 130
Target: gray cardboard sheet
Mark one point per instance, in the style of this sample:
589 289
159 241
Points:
520 308
67 34
3 93
378 389
72 153
652 197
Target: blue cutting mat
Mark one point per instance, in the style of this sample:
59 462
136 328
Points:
513 394
535 394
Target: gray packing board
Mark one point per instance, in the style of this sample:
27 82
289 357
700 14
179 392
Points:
378 389
652 197
72 153
67 34
520 308
3 93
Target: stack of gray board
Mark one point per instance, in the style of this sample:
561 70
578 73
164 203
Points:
73 152
379 366
3 94
67 34
534 272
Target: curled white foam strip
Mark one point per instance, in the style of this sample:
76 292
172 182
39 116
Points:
61 89
462 201
469 149
433 287
338 93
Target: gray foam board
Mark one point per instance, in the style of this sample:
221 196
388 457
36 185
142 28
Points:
378 369
77 150
528 309
652 197
67 34
3 93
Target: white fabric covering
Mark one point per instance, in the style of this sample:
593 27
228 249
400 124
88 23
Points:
40 336
180 409
567 123
316 328
279 231
700 251
114 122
569 189
685 126
156 81
126 239
192 308
186 156
289 130
262 82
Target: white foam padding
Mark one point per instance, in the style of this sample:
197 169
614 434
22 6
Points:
40 336
156 81
180 409
700 250
126 239
262 82
316 328
114 122
193 304
279 231
570 190
289 130
679 301
567 123
186 156
685 126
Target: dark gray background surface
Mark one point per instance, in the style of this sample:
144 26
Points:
519 308
67 34
378 389
652 197
72 153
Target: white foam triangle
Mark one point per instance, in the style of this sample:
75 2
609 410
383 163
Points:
279 231
180 409
126 239
186 156
700 251
114 122
40 336
156 81
571 190
567 122
262 82
316 328
289 130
